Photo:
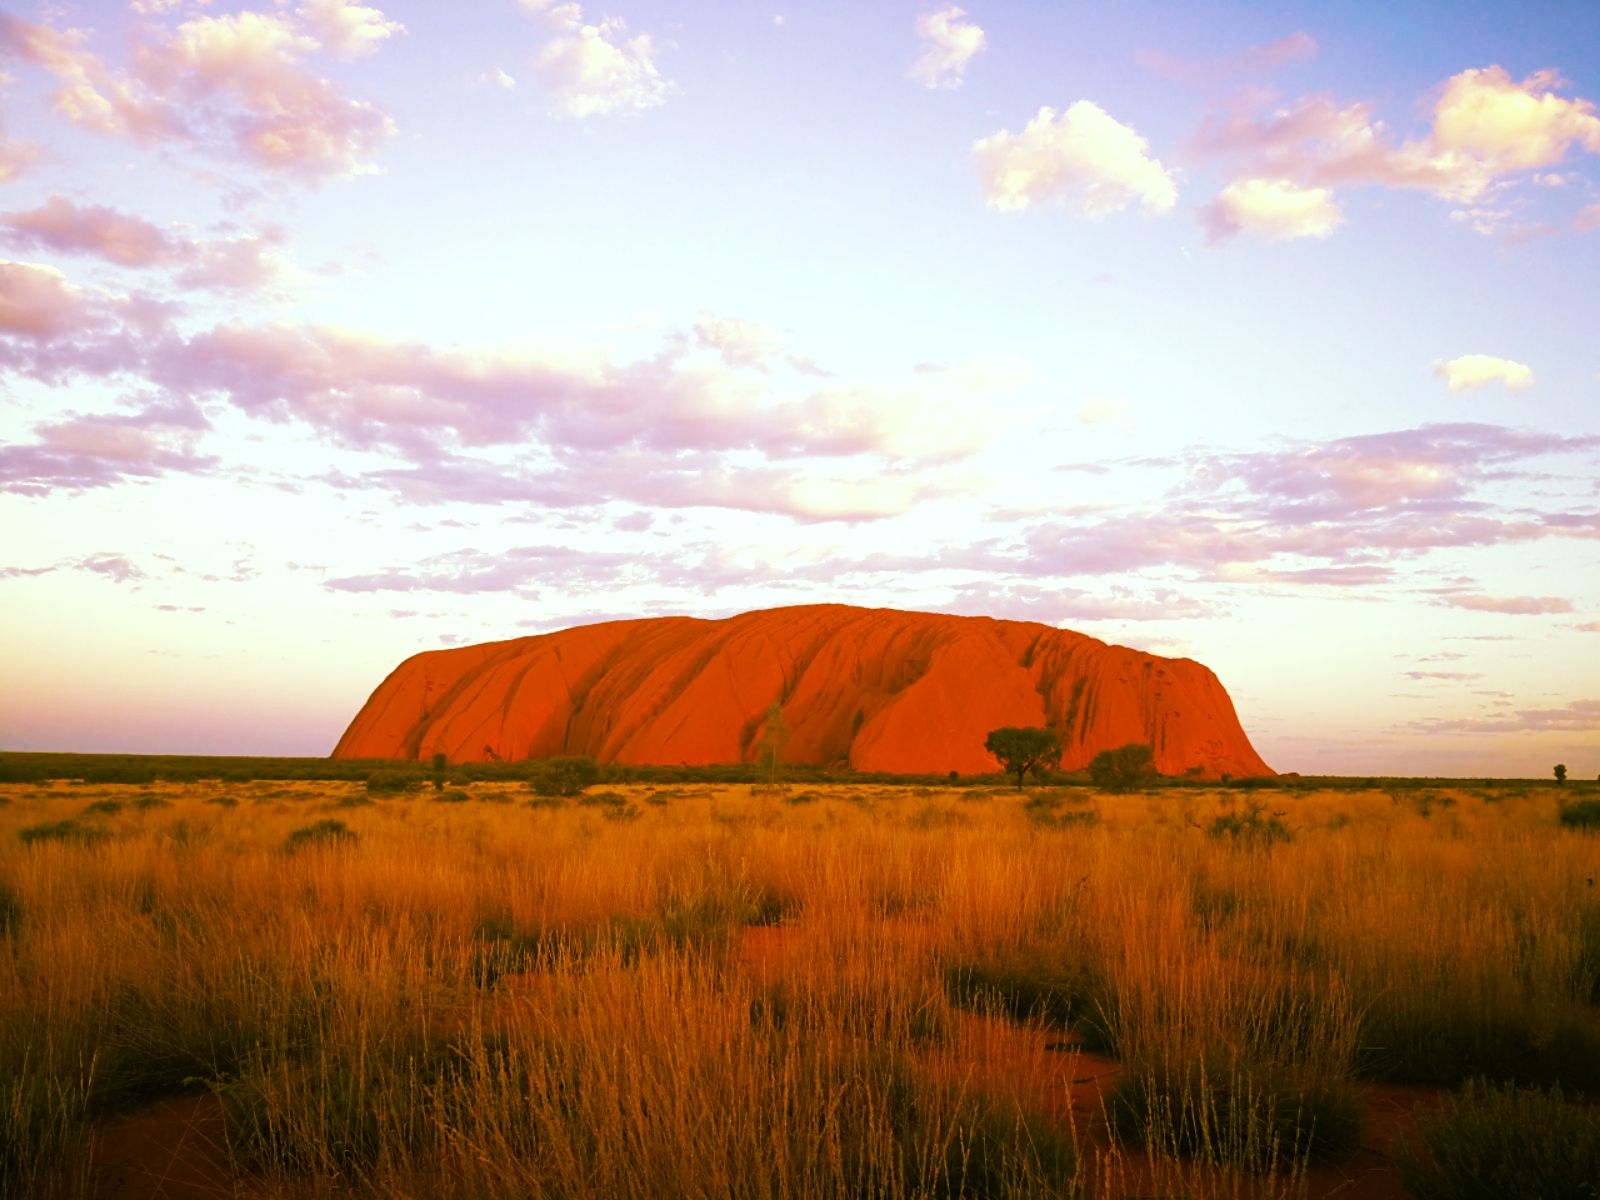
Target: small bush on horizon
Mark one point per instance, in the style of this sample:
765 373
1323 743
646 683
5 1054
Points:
104 808
382 783
452 796
1123 769
1504 1143
324 832
603 800
566 775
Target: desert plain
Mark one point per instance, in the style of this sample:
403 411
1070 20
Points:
286 989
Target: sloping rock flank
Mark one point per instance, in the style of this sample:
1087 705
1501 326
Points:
872 689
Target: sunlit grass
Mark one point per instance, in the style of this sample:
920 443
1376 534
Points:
736 991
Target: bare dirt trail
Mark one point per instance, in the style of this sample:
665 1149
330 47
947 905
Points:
176 1149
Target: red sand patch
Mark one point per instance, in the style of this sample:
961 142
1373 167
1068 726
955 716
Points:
176 1149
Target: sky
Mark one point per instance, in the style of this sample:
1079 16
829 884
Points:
1266 335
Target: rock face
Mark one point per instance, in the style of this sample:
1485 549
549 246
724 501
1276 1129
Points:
874 689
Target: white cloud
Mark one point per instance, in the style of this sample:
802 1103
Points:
1274 209
1083 154
1509 126
1475 370
347 28
949 42
596 70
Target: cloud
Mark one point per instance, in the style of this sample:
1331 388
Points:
1485 127
85 451
596 70
1296 47
949 42
237 76
1522 606
1082 155
1580 716
347 28
1588 627
16 156
1275 209
37 303
1449 676
114 567
1587 219
60 225
1475 370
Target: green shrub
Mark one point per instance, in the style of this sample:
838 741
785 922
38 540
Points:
1583 814
146 803
62 831
1072 997
389 783
104 808
1123 769
1252 1118
564 776
453 796
1253 827
1504 1143
603 800
325 832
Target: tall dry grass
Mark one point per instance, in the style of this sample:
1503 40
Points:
488 999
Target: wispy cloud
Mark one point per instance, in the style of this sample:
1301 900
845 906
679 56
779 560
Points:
949 41
1256 60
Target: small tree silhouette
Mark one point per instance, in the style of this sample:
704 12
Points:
1021 749
440 761
1560 772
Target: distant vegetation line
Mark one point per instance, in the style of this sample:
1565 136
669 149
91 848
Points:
34 767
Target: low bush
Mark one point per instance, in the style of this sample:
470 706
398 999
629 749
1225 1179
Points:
1073 998
224 801
319 833
390 783
1504 1143
564 776
452 796
1254 828
104 808
62 831
146 803
603 800
1583 814
1257 1119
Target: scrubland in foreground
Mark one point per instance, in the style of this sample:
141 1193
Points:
821 992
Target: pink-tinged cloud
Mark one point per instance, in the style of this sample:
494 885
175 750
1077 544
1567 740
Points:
1580 716
1588 627
37 303
1587 219
16 156
1523 606
1083 157
1297 47
234 264
86 451
240 75
115 567
1447 676
1274 209
91 95
1485 127
60 225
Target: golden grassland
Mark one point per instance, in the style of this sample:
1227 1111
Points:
727 991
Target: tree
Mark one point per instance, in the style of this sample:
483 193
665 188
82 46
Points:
440 762
1021 749
1122 769
1561 772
